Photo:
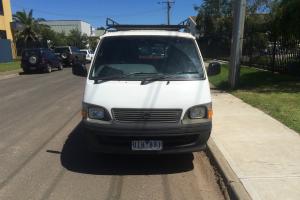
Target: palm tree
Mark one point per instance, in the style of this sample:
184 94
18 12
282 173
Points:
29 27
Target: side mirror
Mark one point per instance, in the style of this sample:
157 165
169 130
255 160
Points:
214 68
79 69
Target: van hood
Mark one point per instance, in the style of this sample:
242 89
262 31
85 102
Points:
159 94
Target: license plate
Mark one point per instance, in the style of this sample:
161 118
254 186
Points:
32 68
146 145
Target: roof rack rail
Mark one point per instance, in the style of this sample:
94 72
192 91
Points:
113 25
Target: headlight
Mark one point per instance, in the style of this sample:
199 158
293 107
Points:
197 112
96 113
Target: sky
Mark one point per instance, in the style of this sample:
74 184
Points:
95 12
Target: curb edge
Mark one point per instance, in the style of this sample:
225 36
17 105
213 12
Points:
235 188
10 74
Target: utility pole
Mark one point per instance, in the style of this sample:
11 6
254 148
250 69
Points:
169 4
237 41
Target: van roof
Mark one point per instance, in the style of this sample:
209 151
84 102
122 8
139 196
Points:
148 33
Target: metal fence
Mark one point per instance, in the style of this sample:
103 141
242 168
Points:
213 48
281 54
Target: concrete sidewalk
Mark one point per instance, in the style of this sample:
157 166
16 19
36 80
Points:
263 153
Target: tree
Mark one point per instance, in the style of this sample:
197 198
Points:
28 34
287 16
258 6
214 22
36 34
46 35
93 41
60 39
75 38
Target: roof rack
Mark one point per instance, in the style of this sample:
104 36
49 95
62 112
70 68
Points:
115 26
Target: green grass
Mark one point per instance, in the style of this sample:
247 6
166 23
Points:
4 67
276 94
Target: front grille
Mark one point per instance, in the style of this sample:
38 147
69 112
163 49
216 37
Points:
146 115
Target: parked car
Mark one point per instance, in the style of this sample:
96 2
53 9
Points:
147 92
88 54
70 55
39 59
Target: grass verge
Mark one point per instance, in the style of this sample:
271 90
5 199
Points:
276 94
10 66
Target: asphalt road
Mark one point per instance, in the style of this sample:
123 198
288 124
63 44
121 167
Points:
43 153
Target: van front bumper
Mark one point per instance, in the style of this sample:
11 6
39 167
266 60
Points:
176 138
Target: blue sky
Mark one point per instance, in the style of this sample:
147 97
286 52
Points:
96 11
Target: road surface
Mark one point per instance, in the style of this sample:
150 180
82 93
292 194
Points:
43 153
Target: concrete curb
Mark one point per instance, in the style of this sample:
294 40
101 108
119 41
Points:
10 74
235 188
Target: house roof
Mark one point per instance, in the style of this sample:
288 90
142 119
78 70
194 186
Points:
193 19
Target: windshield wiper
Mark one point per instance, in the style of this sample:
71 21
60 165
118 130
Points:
165 76
98 80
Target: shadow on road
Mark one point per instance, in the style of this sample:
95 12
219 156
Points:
30 73
36 72
75 157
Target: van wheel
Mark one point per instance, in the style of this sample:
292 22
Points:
48 68
60 66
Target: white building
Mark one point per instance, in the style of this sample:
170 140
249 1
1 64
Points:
68 25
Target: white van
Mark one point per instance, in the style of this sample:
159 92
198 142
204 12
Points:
147 92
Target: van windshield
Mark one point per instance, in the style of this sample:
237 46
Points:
147 56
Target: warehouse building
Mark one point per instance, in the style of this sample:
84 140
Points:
67 25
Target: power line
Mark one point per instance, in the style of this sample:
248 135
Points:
169 4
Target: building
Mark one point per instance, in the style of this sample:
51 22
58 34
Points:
193 26
67 25
7 47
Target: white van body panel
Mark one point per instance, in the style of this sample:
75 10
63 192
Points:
113 135
159 94
148 33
